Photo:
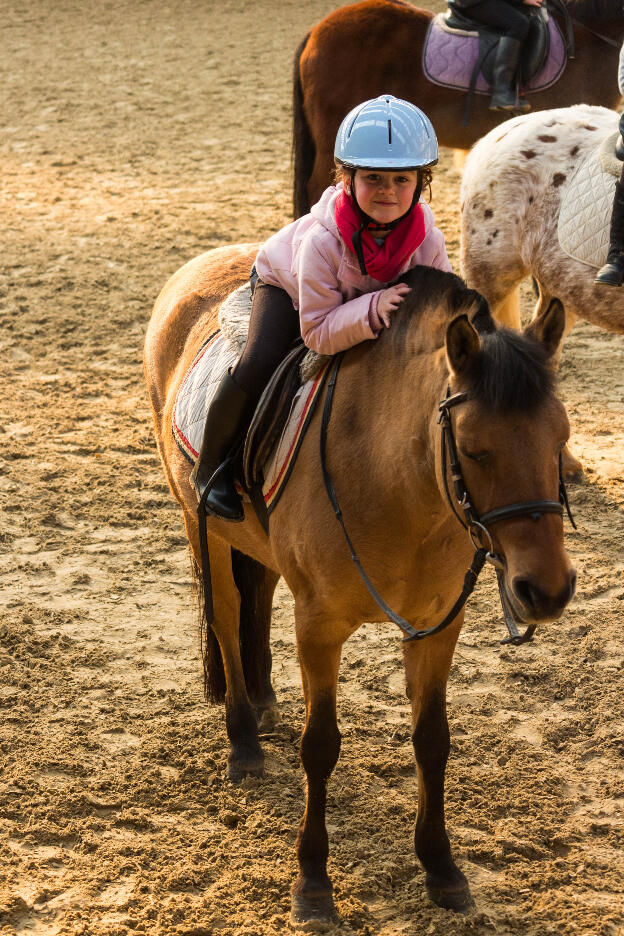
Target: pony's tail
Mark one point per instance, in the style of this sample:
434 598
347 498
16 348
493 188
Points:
256 585
303 148
214 674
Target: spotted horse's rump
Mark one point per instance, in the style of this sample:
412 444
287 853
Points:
520 214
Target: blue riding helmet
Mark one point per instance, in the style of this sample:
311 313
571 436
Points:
386 133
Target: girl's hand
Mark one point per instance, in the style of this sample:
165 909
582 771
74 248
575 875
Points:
536 3
390 299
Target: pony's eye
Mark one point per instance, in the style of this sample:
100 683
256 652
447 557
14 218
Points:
481 458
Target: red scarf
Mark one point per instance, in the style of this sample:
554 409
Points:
383 261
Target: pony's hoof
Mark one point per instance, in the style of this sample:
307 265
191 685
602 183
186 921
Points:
456 897
318 913
571 467
245 766
268 717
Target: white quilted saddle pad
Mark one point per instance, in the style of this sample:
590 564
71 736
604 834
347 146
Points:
210 364
585 214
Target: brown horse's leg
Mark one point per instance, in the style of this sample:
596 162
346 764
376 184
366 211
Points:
320 746
246 756
427 665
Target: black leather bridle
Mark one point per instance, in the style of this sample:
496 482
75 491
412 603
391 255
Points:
477 526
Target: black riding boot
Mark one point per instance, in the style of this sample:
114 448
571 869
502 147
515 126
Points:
226 421
612 273
505 69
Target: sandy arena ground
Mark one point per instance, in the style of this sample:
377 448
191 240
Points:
136 135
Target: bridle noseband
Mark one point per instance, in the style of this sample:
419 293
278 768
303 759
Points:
477 526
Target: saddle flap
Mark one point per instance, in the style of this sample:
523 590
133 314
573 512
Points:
271 415
536 47
533 55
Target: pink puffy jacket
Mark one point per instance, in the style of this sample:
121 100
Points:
337 305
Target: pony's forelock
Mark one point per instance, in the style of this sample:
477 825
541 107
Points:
510 372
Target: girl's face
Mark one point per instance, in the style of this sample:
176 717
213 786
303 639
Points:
384 196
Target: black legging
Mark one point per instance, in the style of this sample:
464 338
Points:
273 327
508 18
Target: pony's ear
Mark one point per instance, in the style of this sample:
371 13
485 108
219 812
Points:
548 327
462 343
481 317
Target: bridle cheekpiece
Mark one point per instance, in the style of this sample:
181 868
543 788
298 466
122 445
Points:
477 526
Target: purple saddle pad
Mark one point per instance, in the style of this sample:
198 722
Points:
449 57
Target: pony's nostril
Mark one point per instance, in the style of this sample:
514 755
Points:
528 595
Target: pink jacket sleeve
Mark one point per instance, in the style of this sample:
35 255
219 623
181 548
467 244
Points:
328 324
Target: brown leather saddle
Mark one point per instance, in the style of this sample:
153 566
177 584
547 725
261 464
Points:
267 425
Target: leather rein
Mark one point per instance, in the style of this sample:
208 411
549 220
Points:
477 526
569 21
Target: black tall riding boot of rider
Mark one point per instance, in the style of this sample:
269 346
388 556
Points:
505 69
612 273
226 421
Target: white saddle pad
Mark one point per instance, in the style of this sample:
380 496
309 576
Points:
585 214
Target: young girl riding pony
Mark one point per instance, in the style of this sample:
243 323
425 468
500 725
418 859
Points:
324 277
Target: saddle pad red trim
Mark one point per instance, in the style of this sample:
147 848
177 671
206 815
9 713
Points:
296 426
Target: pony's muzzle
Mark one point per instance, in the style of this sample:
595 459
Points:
535 604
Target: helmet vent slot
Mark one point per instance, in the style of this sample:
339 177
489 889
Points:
390 132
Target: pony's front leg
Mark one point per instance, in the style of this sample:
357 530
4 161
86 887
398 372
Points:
320 746
427 665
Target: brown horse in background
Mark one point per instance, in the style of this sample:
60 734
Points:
390 474
370 48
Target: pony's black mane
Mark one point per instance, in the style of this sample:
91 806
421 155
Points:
596 10
511 372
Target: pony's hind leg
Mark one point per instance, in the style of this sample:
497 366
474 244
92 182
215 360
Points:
319 658
256 586
246 756
427 665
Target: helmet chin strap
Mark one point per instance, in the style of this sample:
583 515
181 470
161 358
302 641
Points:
370 224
